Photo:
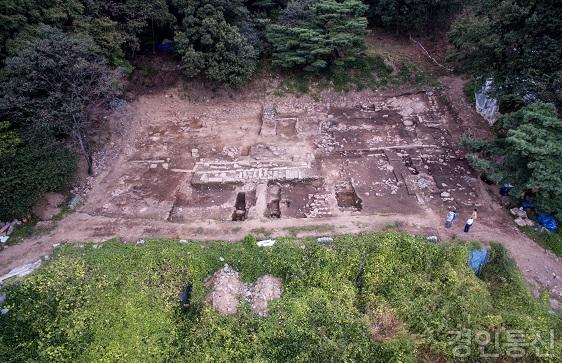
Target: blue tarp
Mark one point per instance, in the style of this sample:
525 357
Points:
477 259
526 204
167 46
548 222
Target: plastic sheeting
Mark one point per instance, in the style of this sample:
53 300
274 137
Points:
486 105
548 222
477 259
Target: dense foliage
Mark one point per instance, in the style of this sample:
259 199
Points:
412 15
313 34
33 164
52 80
210 41
526 154
518 43
371 298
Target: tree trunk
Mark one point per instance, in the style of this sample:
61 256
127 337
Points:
85 151
153 38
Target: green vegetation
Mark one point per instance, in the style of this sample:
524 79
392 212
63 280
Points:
368 72
210 42
315 228
314 34
531 156
412 15
550 240
368 298
38 165
515 42
52 81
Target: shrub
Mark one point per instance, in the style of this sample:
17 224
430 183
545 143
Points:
38 165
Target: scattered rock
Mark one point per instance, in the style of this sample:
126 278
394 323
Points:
184 241
22 270
75 201
434 239
226 289
445 194
408 123
266 289
117 103
266 243
518 212
521 222
140 242
325 240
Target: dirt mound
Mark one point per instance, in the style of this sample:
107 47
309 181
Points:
385 325
226 289
266 289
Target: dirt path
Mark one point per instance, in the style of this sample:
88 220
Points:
541 267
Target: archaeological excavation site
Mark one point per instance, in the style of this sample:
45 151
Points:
270 158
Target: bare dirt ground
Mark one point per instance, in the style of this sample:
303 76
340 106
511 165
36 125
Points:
189 162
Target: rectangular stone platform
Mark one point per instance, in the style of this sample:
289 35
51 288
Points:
254 171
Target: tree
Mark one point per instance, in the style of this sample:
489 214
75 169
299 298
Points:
527 154
210 42
313 34
133 18
9 139
412 15
52 80
515 42
36 164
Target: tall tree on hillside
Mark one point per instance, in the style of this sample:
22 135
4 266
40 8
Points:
412 15
51 81
210 41
518 43
312 34
527 154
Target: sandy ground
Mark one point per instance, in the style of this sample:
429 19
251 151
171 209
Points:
148 185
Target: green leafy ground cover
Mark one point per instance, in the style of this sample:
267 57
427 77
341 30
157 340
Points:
386 297
369 72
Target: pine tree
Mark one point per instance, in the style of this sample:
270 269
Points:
313 34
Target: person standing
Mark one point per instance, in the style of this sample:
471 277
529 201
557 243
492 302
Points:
451 217
471 220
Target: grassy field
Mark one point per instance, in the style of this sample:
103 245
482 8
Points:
385 297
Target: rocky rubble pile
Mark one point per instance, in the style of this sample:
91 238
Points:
226 288
521 217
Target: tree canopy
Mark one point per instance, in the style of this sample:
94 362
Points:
313 34
412 15
527 154
52 80
518 43
210 42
